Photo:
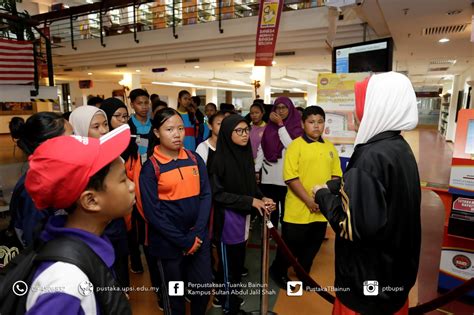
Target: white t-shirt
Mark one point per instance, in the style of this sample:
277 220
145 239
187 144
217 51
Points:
272 173
203 150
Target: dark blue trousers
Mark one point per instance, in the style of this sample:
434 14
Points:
192 269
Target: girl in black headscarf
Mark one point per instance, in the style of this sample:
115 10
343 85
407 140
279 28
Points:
235 193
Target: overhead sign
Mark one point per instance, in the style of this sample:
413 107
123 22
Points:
267 32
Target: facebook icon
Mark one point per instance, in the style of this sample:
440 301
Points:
176 288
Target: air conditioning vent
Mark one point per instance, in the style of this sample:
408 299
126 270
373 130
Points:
438 69
191 60
443 61
121 65
285 53
441 30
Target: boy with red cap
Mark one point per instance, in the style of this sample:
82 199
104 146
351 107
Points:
375 209
86 177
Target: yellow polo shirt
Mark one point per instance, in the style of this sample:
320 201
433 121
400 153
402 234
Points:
314 163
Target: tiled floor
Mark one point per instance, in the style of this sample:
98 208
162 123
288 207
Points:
434 158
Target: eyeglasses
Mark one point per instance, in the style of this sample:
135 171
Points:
123 117
240 131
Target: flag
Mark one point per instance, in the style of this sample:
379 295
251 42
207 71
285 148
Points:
16 62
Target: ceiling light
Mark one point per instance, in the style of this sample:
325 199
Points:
89 1
216 80
199 86
237 82
290 79
444 40
274 62
176 83
138 70
297 90
308 83
295 80
89 73
196 67
454 12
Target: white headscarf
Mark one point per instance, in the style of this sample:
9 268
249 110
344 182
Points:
81 118
390 104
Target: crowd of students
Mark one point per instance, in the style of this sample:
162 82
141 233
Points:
181 184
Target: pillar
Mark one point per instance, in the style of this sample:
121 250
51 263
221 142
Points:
211 96
312 94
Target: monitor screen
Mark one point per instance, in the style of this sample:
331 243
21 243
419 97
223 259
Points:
371 56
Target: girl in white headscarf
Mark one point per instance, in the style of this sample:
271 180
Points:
89 121
375 209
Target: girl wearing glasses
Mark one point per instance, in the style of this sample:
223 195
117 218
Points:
235 193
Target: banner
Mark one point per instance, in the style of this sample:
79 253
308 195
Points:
267 32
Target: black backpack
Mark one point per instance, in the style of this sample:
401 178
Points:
65 249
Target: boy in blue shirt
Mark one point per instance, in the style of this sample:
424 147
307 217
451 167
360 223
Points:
140 122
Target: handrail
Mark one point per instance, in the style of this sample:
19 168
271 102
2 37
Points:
114 17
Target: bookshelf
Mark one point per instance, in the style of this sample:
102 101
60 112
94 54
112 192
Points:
444 114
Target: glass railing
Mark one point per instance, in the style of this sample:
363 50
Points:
158 14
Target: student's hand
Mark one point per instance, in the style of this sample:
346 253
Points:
312 206
259 205
274 117
316 188
197 244
270 205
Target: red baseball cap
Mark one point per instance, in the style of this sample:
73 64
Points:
61 167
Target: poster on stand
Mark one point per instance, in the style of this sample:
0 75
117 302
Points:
461 180
336 96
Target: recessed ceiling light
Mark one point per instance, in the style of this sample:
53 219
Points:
444 40
454 12
196 67
138 70
89 73
274 62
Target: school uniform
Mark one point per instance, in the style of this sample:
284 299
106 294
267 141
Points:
64 279
177 207
234 187
313 163
206 151
190 131
142 131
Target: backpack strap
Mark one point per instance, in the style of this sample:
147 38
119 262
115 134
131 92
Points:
191 155
156 167
74 251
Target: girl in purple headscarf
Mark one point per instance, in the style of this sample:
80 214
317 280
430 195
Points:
284 126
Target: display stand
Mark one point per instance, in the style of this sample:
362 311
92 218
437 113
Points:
457 255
